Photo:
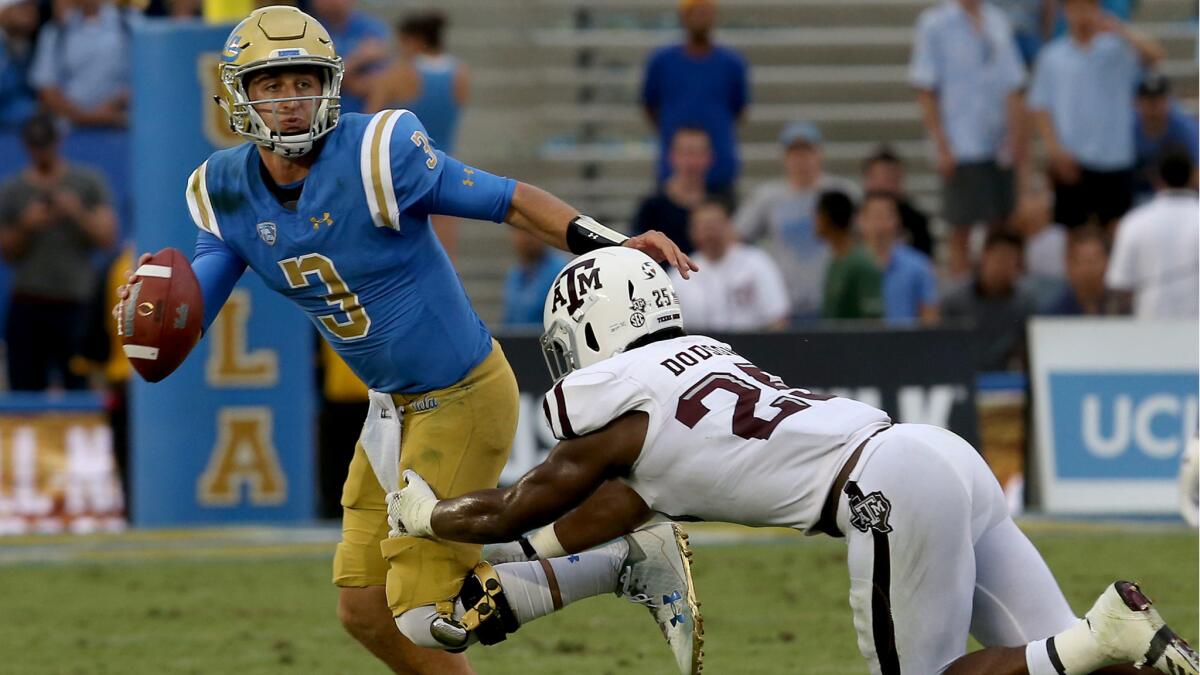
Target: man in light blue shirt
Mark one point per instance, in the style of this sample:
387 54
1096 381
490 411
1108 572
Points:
909 284
81 67
968 77
1082 100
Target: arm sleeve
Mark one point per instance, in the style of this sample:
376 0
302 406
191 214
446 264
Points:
776 304
467 192
1122 272
750 221
218 269
741 85
922 68
586 400
95 190
1039 89
41 71
399 165
929 288
1013 68
650 85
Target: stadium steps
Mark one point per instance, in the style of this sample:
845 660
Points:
555 91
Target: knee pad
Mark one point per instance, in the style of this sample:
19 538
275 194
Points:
416 623
482 613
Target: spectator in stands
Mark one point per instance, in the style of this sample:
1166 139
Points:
1156 256
1045 240
1087 261
908 281
1161 123
53 217
18 26
741 288
780 214
434 86
81 68
1031 21
424 79
883 171
1082 101
852 281
995 304
698 84
362 41
529 280
668 209
968 77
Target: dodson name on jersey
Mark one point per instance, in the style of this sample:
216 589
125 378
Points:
726 441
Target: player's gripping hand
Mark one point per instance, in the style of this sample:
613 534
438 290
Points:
130 279
411 508
660 247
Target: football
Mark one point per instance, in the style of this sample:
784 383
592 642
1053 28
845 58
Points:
160 322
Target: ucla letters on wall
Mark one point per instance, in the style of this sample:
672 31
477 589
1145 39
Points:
229 436
1115 402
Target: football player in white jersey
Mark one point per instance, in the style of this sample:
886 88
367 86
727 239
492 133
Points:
653 420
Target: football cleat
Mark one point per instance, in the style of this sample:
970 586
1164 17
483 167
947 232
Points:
1129 630
658 574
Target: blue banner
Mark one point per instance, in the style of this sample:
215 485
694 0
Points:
229 436
1122 425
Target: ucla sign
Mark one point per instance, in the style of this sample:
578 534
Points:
1116 402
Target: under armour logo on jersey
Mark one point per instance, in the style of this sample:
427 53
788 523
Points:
573 285
467 181
870 512
323 220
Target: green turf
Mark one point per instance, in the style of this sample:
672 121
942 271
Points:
769 608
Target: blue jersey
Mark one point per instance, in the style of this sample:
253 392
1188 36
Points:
358 254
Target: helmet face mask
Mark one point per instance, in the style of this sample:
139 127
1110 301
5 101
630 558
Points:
280 38
602 302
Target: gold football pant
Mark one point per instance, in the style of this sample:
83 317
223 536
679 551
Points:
458 439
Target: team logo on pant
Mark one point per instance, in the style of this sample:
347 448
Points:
870 512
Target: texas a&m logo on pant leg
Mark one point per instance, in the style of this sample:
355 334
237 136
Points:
870 512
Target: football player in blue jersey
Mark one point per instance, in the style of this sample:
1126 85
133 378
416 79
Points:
333 211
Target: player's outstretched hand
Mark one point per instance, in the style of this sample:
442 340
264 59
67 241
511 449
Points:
660 247
415 505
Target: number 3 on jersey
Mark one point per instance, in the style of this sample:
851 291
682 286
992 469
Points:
337 294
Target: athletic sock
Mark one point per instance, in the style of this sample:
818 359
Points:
531 594
1072 652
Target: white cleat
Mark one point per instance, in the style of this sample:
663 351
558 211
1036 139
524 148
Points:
658 574
1129 629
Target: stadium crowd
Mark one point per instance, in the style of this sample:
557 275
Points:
1102 221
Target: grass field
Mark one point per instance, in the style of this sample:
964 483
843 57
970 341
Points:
197 603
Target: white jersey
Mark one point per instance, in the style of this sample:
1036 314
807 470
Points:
726 441
1155 255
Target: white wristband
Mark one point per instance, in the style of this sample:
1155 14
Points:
546 543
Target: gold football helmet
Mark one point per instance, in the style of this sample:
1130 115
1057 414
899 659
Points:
274 37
